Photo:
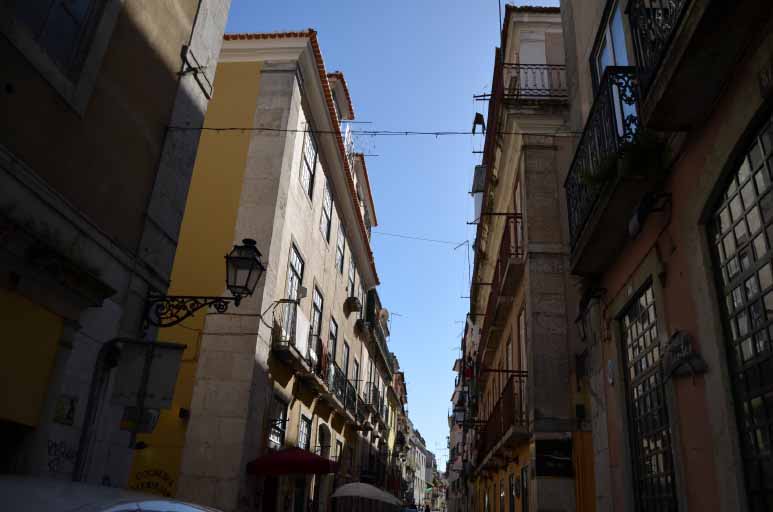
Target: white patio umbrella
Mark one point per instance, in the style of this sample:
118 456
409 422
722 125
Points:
363 490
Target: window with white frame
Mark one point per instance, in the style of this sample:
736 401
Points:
294 280
326 220
309 162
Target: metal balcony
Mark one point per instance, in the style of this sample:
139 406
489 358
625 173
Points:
508 423
534 82
597 198
508 270
653 26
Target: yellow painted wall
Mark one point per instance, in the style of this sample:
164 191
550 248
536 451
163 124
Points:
584 478
491 481
30 339
206 235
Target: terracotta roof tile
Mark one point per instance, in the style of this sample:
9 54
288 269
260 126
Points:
340 76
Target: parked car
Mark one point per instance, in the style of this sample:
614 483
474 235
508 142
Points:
28 494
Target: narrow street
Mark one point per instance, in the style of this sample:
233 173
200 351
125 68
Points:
386 257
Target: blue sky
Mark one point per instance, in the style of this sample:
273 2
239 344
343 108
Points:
410 65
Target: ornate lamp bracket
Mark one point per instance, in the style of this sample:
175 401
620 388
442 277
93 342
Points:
166 310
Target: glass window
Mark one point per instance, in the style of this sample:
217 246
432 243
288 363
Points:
513 491
524 356
340 248
304 433
309 162
346 360
741 234
315 329
612 50
333 342
327 213
294 280
62 28
277 423
356 375
649 428
350 285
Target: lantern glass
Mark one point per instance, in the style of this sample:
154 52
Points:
244 269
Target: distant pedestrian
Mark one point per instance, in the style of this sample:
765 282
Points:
426 508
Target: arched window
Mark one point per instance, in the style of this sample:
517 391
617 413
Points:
742 234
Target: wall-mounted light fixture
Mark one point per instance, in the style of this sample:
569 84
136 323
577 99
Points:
244 268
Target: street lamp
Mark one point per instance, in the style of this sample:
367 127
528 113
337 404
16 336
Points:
244 268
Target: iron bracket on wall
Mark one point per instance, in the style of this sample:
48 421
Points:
169 310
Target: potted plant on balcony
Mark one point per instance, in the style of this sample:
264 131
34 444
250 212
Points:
352 304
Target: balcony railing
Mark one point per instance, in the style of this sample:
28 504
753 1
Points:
511 410
510 255
337 382
315 356
653 25
360 411
611 126
350 402
534 81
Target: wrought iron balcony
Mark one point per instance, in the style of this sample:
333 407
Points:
507 271
611 126
337 382
534 81
350 398
508 419
653 25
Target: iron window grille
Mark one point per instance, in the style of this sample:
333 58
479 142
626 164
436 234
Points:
742 235
309 163
649 427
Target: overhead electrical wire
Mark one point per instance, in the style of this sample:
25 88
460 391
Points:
372 133
417 238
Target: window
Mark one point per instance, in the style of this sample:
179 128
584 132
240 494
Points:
356 375
277 423
509 354
332 345
525 488
502 495
339 449
63 29
742 234
327 213
611 47
524 356
315 329
294 280
513 492
350 286
346 360
309 163
340 247
649 429
304 433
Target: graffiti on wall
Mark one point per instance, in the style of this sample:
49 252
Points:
61 456
154 481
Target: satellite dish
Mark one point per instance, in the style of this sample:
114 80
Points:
383 315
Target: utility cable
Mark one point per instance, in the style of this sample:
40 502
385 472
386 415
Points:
417 238
371 133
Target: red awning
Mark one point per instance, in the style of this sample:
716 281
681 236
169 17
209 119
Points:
291 461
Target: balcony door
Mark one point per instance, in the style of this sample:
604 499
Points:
612 50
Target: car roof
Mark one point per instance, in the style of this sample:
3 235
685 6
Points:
29 494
